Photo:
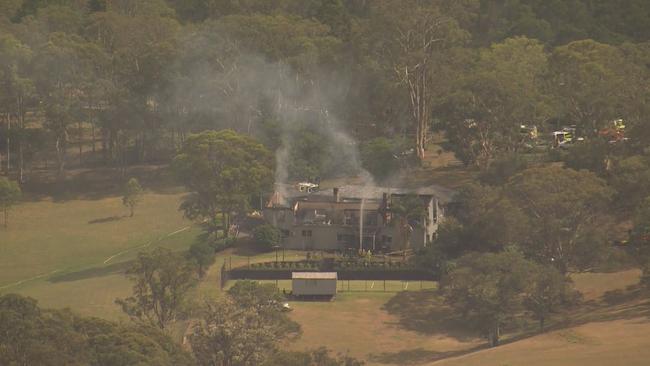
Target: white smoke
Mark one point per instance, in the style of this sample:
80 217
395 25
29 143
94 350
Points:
227 93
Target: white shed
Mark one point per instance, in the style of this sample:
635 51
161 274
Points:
315 284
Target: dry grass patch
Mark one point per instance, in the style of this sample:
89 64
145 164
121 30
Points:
362 325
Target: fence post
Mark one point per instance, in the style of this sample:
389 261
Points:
384 285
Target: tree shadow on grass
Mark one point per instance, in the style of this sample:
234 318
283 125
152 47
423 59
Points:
106 219
424 312
89 273
410 357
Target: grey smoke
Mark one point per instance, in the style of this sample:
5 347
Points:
226 91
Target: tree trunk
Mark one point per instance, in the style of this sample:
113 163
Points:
417 86
60 156
225 224
21 161
92 129
8 143
493 336
21 141
80 132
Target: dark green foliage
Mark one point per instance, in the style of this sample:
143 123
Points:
267 236
487 289
550 292
408 212
244 329
97 5
631 179
161 279
485 220
490 290
222 170
503 168
433 259
501 89
382 157
554 215
592 155
35 336
253 294
640 235
10 194
319 357
202 255
567 215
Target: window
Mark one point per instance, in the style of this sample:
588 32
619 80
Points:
371 218
345 238
387 239
285 233
347 220
306 233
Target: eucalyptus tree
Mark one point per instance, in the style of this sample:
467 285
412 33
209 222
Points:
222 170
409 38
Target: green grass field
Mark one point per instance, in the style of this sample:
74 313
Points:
72 253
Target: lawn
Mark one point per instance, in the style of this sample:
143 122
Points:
618 342
72 253
376 327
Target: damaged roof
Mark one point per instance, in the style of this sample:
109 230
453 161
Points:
356 193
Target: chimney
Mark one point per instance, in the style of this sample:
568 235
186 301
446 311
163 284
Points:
336 194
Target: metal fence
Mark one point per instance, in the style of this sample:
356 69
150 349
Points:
359 286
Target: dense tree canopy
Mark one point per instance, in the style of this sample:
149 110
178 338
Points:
137 77
243 329
162 280
35 336
222 170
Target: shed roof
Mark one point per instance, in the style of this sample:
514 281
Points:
313 275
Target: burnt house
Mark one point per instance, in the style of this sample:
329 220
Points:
358 217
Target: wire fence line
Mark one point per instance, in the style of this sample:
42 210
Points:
349 286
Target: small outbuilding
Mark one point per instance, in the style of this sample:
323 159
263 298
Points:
314 284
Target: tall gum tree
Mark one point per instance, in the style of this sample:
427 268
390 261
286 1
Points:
408 37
